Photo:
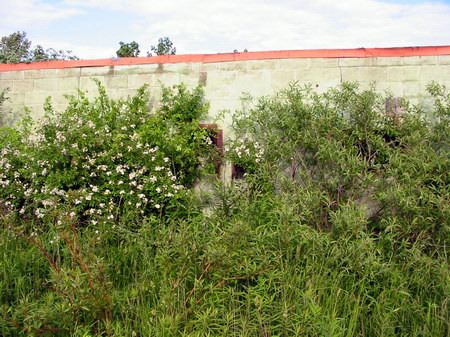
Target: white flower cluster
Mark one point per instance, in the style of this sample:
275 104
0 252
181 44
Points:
107 175
246 149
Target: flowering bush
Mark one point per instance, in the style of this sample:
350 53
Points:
104 159
245 152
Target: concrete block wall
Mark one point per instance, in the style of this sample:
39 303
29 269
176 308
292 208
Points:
405 72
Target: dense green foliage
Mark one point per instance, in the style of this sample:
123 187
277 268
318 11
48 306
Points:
128 49
164 47
340 227
16 48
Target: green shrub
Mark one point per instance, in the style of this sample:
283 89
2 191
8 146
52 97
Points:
105 159
341 149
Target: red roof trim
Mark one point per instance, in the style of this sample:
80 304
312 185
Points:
230 57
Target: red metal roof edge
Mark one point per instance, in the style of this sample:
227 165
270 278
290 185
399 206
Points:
230 57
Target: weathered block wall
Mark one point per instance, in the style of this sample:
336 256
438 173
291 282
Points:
404 71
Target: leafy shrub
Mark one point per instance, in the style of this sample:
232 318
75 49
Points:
341 149
104 159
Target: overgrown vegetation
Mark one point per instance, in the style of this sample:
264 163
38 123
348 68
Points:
340 227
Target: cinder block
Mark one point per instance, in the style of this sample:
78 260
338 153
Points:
23 86
404 73
234 65
393 88
444 59
370 74
121 93
223 78
167 79
420 60
46 84
355 62
350 74
36 98
97 71
87 83
332 75
324 63
6 84
181 68
387 61
117 82
261 64
280 79
210 67
138 80
303 63
68 84
191 80
310 75
69 72
59 98
150 68
126 70
12 75
17 98
37 73
435 73
411 89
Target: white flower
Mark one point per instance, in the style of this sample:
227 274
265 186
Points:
72 214
166 160
157 206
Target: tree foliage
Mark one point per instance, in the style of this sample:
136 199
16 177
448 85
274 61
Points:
164 47
16 48
128 49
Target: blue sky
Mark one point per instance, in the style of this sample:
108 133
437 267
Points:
93 28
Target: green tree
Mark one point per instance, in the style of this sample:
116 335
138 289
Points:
16 48
39 54
164 47
128 49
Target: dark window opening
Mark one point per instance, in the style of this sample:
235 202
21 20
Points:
237 172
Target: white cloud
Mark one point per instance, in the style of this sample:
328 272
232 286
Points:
209 26
29 14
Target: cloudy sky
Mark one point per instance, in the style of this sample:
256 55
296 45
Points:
93 28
